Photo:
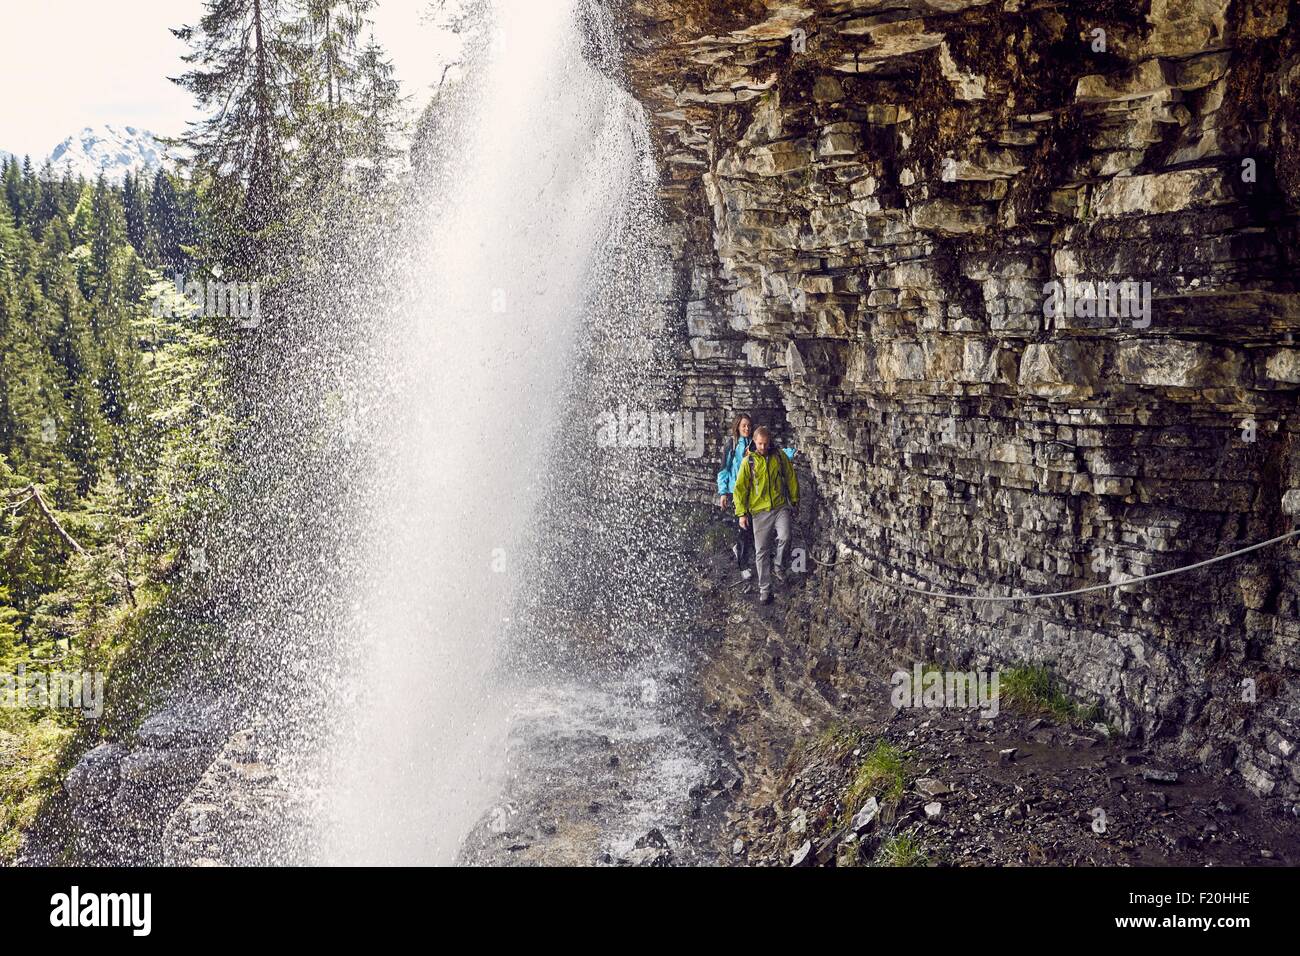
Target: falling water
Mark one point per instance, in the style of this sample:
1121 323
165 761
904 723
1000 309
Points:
539 157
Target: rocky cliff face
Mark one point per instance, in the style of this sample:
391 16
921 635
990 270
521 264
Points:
870 201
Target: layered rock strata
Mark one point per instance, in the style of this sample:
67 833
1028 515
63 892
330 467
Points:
1018 278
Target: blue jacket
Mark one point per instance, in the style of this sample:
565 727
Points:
731 465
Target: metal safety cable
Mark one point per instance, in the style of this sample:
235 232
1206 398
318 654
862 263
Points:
1015 598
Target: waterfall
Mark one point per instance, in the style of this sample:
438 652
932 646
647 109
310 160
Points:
537 154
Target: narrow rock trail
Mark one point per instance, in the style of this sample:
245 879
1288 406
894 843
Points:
792 702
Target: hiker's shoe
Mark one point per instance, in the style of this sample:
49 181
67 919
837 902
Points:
779 574
765 597
746 574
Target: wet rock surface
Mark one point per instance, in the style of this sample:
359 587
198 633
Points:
868 205
620 774
119 796
241 812
191 787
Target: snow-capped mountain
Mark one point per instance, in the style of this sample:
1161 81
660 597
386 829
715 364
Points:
107 149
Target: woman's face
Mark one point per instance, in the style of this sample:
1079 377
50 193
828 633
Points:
744 428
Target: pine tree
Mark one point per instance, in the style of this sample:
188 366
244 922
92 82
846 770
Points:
135 212
325 38
33 411
167 232
52 208
29 198
379 107
107 239
244 57
13 179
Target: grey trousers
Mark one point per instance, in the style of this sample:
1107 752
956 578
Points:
765 523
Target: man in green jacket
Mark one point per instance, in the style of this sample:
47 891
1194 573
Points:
767 493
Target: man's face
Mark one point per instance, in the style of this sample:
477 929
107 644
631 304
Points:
760 444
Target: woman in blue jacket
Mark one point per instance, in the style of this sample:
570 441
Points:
733 453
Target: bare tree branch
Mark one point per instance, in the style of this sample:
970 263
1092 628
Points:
34 494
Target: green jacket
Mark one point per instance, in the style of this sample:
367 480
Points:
765 483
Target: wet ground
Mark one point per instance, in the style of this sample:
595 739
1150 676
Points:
1061 799
747 751
623 772
1021 788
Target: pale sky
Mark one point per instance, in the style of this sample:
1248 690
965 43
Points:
67 64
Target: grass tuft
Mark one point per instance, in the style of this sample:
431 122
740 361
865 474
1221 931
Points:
883 773
902 849
1035 691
